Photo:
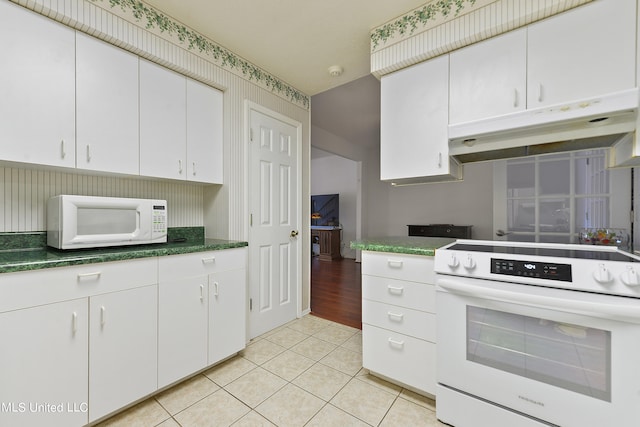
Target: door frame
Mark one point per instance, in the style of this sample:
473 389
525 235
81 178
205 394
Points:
250 106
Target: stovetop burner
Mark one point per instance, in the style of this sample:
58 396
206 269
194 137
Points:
557 252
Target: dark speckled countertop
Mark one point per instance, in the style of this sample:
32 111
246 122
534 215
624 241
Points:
28 251
414 245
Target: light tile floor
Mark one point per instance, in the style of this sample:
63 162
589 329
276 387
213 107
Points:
305 373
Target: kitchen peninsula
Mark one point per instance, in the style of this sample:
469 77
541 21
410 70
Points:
398 309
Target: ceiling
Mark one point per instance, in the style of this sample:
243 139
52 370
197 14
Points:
295 40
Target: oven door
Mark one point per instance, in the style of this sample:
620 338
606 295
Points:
563 357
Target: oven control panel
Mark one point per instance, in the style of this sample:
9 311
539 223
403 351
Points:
533 269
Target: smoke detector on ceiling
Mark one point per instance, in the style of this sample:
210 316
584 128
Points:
335 70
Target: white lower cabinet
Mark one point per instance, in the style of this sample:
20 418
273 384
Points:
398 318
43 365
227 313
123 348
202 311
182 329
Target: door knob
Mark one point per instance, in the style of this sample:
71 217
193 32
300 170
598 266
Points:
294 233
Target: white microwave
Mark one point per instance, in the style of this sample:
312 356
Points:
75 222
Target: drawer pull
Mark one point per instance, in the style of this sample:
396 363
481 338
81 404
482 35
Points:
395 289
394 263
201 292
209 260
103 315
95 274
74 323
395 316
215 287
396 343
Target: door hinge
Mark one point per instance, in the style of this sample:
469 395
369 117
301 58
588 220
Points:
250 220
250 304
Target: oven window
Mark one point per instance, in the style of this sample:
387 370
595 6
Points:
569 356
92 221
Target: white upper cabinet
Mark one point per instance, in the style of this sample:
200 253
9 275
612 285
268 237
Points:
163 121
37 89
414 117
488 79
581 53
106 107
204 133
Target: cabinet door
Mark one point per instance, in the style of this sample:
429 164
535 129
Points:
183 307
106 107
162 122
584 52
44 360
37 88
227 313
488 79
414 117
204 133
123 348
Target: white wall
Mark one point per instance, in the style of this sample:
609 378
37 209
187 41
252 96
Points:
334 174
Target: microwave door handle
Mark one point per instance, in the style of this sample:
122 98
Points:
630 314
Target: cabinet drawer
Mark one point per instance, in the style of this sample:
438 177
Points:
399 357
417 324
416 268
30 288
201 263
418 296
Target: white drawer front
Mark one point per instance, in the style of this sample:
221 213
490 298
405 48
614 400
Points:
418 296
29 288
417 324
201 263
399 357
416 268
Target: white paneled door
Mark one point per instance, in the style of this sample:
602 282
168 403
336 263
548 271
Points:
274 249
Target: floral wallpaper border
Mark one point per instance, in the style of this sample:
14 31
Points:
194 40
421 16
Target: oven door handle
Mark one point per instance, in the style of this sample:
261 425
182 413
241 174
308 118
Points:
619 312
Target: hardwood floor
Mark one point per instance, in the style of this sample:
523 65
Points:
336 292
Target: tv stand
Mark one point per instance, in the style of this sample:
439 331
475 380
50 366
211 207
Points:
329 240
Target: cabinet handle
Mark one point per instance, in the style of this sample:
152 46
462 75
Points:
88 153
215 287
201 292
180 166
209 260
74 323
95 274
395 290
394 263
396 343
540 92
103 315
515 98
439 160
395 316
63 153
194 168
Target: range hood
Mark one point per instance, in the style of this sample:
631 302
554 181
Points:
586 124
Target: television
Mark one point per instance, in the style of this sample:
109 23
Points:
325 210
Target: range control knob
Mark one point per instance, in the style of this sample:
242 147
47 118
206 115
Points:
453 262
630 277
602 274
469 263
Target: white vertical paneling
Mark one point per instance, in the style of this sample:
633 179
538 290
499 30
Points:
25 193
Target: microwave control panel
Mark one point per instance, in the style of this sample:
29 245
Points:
159 218
537 270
